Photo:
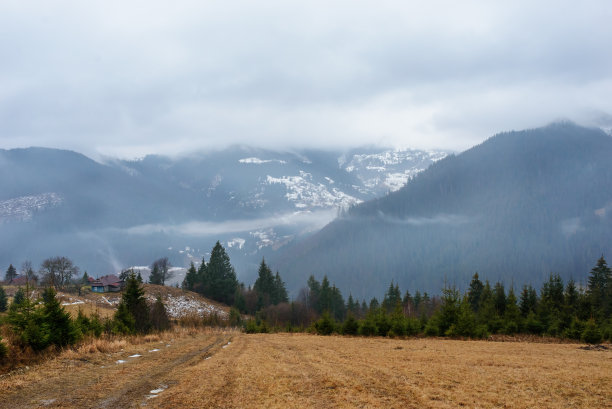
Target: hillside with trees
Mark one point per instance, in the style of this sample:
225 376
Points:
517 207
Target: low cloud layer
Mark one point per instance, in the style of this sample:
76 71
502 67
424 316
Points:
110 78
309 220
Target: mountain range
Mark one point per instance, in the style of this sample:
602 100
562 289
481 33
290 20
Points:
514 209
112 214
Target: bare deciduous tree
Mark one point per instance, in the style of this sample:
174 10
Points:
58 271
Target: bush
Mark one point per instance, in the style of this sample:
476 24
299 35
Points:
350 326
251 327
325 325
368 328
431 329
481 332
591 334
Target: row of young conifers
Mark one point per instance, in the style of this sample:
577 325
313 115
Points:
563 310
558 310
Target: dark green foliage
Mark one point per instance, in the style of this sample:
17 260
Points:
62 330
234 317
3 300
325 325
123 322
156 275
191 278
251 327
40 327
600 289
89 325
367 328
350 325
134 316
528 301
448 313
507 201
591 334
393 297
10 275
159 315
475 292
19 296
270 288
465 326
218 277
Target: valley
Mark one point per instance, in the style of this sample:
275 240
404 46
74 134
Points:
204 368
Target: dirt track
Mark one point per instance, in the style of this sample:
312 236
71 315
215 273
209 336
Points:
102 381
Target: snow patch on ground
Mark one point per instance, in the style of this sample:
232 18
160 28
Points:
236 242
180 306
305 194
24 208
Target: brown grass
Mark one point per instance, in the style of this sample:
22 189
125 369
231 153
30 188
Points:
283 370
200 369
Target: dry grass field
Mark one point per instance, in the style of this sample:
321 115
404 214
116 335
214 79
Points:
234 370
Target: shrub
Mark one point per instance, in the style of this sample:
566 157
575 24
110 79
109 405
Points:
368 328
251 327
350 326
591 334
325 325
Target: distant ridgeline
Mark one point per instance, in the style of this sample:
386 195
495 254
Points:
515 208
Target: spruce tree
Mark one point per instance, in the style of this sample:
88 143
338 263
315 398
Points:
528 301
62 330
159 315
220 281
156 275
264 286
280 292
600 288
136 304
475 292
191 278
10 275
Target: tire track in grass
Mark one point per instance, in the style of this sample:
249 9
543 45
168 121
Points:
134 393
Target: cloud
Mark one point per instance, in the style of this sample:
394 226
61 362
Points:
310 220
128 79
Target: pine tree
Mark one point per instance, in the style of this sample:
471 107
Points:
392 297
159 315
10 275
156 275
475 292
62 330
191 278
220 281
19 297
599 289
264 286
499 295
3 300
280 292
512 314
528 301
136 304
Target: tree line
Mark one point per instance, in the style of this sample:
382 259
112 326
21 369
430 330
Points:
563 310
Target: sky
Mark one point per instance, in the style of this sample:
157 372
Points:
130 78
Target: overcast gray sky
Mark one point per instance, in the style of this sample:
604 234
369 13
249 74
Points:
110 78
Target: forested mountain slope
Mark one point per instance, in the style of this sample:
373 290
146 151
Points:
514 208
